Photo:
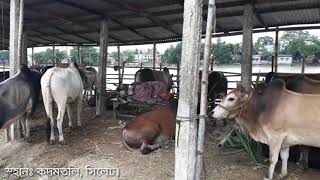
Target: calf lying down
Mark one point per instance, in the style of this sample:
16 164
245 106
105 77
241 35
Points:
151 130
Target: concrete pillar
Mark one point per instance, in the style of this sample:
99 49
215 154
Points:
246 64
101 79
186 123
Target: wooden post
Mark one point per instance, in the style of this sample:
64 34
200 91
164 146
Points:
178 78
186 125
303 64
16 27
246 64
78 54
204 87
154 55
15 46
24 49
276 51
54 55
101 79
119 64
32 56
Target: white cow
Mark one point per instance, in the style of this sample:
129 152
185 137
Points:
63 86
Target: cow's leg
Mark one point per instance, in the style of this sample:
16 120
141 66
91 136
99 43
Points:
62 109
304 157
27 127
69 111
23 125
284 153
79 106
274 149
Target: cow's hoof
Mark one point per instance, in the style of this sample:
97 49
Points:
267 178
281 177
146 151
62 142
28 140
50 142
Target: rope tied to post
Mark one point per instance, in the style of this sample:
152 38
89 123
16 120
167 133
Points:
180 119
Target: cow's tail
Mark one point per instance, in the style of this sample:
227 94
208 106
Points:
124 141
49 98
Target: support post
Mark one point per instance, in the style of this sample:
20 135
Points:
303 64
178 78
16 28
101 79
204 87
154 55
119 64
186 123
276 51
24 49
32 56
54 55
246 64
78 54
15 46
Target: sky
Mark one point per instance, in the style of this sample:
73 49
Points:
163 46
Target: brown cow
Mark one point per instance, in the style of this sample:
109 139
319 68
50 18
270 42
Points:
302 84
151 130
274 116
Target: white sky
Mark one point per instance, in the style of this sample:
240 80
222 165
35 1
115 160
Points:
163 46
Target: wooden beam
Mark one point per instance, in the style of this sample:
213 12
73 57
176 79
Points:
101 82
246 63
186 127
204 88
74 34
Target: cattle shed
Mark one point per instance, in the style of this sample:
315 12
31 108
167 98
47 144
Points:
36 23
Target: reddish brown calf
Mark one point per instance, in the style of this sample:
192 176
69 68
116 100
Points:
151 130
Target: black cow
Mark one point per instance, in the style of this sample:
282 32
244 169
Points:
4 75
19 97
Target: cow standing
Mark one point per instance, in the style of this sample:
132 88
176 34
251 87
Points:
274 116
19 97
151 130
62 85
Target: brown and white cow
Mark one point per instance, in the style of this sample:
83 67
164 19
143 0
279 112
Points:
151 130
274 116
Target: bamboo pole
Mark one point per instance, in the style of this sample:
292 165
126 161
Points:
246 64
186 124
211 19
276 50
101 78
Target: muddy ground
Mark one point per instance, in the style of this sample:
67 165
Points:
98 143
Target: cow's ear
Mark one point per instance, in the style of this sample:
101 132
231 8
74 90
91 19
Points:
243 97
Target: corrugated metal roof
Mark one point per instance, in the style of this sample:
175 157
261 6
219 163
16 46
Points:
145 21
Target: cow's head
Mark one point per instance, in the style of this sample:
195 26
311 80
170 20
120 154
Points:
231 104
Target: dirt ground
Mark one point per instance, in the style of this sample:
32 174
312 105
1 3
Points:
98 143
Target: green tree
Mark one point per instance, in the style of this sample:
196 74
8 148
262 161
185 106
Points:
298 43
260 47
4 56
129 55
172 55
224 53
88 55
47 56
